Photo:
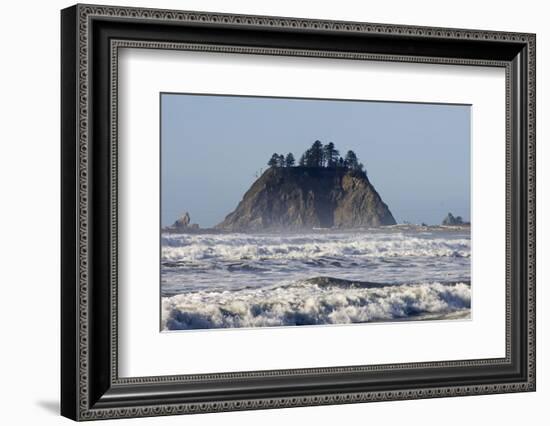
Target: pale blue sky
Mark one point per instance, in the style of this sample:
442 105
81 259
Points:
416 155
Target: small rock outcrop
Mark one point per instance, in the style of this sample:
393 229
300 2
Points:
183 223
451 220
302 198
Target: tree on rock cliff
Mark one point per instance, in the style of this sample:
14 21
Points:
289 160
274 160
351 160
331 155
279 160
318 156
315 155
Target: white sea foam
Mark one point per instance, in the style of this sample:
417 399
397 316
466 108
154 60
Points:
305 303
242 280
235 247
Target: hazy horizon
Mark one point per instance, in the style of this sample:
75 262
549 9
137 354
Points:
213 148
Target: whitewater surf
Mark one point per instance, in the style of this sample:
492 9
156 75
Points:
261 280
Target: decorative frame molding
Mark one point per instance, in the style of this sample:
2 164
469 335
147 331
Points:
91 388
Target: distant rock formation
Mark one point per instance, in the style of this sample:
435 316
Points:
301 198
451 220
183 223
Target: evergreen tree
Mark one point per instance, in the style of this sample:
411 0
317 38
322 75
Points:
281 161
351 161
319 155
289 160
316 155
273 161
330 155
308 158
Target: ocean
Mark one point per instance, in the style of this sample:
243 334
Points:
318 278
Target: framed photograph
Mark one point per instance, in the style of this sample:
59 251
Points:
263 212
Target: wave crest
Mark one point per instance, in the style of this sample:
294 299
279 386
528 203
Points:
309 303
193 248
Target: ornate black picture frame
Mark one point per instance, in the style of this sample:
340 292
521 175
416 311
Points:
91 388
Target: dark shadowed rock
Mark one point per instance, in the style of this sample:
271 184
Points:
451 220
183 221
301 198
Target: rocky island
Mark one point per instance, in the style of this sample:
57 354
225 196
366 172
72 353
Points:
312 242
323 191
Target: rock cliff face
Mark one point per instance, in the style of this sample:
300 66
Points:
301 198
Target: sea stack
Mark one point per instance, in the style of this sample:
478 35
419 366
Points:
183 224
183 221
304 198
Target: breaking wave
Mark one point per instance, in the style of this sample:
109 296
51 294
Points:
236 247
321 300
